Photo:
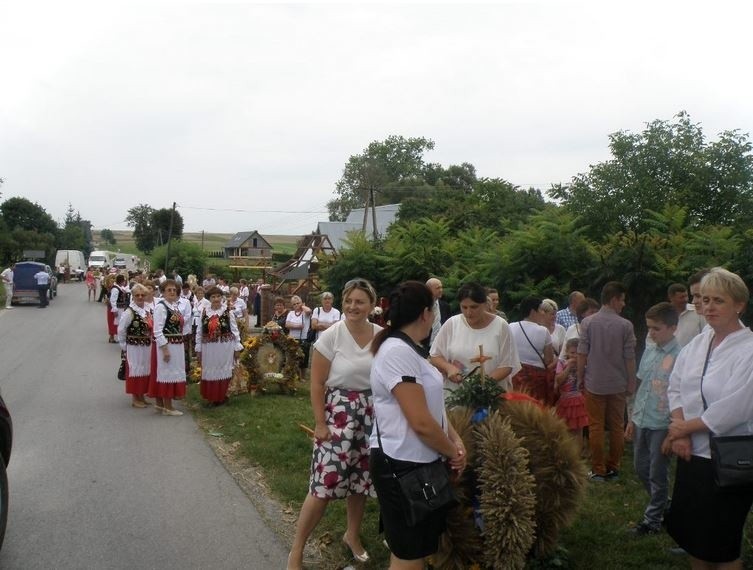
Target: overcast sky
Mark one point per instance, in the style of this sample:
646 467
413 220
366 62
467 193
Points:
257 107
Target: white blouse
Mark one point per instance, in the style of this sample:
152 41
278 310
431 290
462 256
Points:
727 386
350 365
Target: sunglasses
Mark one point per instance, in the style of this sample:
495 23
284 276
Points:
359 283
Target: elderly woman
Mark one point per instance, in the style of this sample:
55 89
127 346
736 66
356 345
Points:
239 307
412 428
135 338
549 320
534 344
298 322
280 313
711 392
455 351
342 405
168 378
218 344
325 316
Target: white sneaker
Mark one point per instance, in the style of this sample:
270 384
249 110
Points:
10 307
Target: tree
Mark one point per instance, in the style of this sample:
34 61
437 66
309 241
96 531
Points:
140 219
667 163
360 257
383 165
186 258
26 215
160 223
108 237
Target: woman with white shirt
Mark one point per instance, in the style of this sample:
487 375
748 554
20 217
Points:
298 322
534 344
218 344
325 316
457 343
342 405
549 320
411 426
711 392
135 338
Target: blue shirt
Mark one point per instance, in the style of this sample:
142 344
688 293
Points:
651 408
42 278
566 318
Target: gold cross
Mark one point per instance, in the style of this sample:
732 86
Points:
480 359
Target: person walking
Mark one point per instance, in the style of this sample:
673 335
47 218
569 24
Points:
7 276
43 284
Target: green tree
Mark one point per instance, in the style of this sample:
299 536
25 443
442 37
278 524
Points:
140 219
360 257
386 165
667 163
417 250
26 215
160 224
108 237
186 258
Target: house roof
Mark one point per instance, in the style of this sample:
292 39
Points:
242 237
338 231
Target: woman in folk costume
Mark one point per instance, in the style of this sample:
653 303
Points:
168 378
218 344
135 338
108 283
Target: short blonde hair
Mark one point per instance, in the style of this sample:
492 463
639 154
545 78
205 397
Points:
724 281
548 306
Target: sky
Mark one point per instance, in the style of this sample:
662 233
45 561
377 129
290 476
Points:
244 114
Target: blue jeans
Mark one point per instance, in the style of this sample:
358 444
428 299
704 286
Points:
652 468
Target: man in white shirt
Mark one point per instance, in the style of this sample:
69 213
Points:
43 283
440 309
690 322
7 276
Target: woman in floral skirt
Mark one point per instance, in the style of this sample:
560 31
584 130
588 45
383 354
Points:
342 405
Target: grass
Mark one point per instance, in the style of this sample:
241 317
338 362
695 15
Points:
266 429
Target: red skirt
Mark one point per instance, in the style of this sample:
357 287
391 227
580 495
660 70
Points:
112 326
214 390
137 386
172 390
536 382
573 411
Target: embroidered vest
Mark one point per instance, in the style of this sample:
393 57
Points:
124 298
219 331
173 329
139 332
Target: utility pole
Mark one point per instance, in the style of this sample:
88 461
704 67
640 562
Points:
169 237
202 240
373 212
366 211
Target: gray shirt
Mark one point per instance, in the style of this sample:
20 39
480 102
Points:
608 340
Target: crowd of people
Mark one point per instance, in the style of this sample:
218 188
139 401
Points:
378 392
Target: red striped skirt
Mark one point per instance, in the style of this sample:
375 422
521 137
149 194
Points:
536 382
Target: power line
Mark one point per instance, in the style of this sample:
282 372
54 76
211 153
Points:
253 211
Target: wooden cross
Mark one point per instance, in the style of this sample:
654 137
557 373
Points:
480 359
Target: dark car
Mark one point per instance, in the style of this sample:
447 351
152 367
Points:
24 284
6 443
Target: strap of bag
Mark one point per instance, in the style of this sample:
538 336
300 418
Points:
703 374
533 347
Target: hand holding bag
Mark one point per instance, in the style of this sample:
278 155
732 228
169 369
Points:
122 369
731 455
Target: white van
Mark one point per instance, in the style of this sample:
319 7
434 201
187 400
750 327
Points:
130 263
101 259
74 260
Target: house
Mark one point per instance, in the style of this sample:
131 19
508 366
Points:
248 249
338 231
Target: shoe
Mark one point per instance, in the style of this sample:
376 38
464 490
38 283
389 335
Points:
612 474
596 477
166 412
10 307
138 404
363 557
643 529
158 409
147 403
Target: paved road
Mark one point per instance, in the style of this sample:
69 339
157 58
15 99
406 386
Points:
95 483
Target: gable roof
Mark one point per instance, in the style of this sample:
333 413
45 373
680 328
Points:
242 237
338 231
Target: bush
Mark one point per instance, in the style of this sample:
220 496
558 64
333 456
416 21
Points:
185 258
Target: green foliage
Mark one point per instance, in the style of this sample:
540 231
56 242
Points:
160 224
185 258
108 237
360 258
417 250
669 163
476 392
140 219
71 237
26 215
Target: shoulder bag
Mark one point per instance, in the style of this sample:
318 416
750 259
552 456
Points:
731 455
311 335
122 368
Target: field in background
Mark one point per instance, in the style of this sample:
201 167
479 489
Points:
210 242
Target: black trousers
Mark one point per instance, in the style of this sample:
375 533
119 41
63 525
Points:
43 301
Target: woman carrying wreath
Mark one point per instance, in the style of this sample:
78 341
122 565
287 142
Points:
342 406
218 344
135 338
411 426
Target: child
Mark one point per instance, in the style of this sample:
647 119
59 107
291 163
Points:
571 405
650 417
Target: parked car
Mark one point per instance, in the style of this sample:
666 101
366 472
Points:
74 260
6 444
24 284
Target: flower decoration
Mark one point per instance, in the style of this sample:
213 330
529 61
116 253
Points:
289 351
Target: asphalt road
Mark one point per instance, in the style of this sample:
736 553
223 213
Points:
95 483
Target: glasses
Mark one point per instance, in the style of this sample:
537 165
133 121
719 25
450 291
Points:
360 283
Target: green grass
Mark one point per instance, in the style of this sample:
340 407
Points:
267 429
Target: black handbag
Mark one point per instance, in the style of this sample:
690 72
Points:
731 455
311 335
122 369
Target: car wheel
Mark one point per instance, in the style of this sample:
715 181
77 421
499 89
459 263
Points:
3 501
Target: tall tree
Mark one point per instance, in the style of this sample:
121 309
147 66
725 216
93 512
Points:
668 163
140 219
108 237
395 162
24 214
161 225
